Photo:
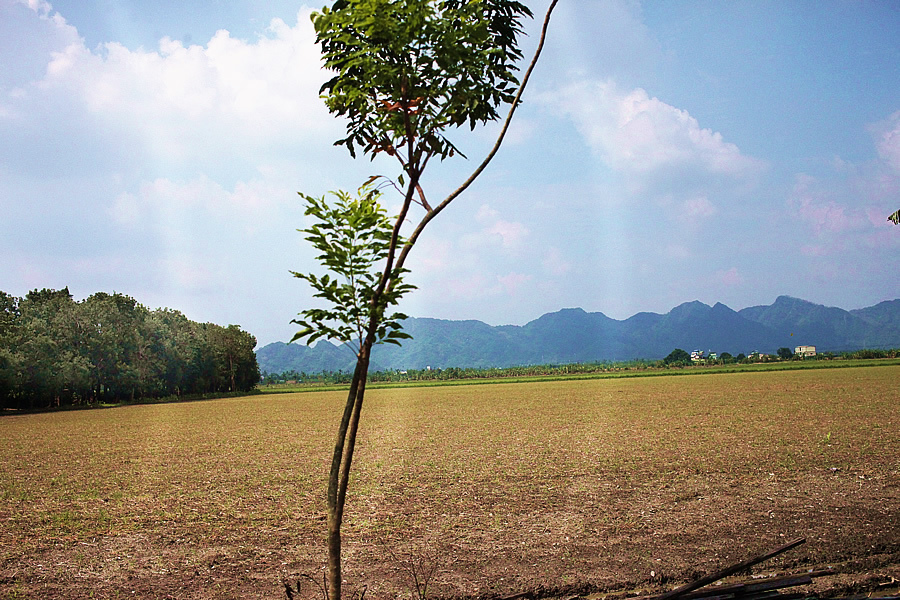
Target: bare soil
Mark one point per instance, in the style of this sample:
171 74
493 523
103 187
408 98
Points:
591 488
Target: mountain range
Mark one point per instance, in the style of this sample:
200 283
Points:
572 335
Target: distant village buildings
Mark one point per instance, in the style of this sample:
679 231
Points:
699 356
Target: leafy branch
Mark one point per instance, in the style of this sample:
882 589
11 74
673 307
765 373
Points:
353 237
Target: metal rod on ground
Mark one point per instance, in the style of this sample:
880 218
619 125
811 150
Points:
690 587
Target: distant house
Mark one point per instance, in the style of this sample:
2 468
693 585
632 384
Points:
700 356
805 351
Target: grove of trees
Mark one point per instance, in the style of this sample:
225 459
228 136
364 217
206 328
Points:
678 357
56 351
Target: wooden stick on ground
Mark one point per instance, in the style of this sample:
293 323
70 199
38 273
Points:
703 581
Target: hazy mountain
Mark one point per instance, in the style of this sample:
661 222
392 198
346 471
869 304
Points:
883 315
279 357
697 326
829 328
574 335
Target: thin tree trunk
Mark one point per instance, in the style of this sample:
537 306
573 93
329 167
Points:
339 478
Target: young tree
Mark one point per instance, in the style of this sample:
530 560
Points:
405 72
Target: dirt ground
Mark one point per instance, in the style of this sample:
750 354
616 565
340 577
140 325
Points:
592 539
547 505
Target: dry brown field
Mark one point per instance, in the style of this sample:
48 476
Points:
558 487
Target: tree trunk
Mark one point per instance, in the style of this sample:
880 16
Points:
339 477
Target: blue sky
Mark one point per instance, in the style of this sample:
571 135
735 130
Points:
667 152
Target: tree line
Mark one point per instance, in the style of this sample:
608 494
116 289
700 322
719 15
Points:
55 351
455 373
678 358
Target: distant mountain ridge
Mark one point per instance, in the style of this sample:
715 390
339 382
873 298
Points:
573 335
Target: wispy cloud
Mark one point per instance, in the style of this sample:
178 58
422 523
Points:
812 203
555 263
849 203
730 277
495 231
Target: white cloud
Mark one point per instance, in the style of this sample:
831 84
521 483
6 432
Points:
44 10
126 209
637 134
229 97
29 32
42 7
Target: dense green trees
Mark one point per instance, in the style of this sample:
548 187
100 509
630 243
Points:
109 348
678 357
785 353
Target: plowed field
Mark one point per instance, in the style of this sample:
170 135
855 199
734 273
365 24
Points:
557 487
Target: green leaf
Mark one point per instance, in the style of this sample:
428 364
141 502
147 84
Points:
352 237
